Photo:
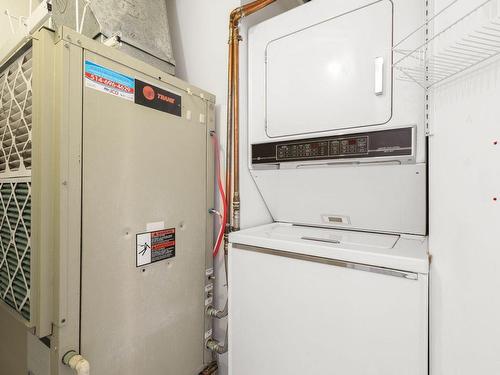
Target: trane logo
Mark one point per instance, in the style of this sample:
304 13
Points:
166 98
150 94
157 98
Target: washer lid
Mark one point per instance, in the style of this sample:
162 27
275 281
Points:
399 252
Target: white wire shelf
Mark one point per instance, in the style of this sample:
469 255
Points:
460 43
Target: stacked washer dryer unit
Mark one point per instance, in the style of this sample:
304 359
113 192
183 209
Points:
337 148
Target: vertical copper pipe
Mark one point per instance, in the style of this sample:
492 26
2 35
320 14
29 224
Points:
236 134
229 135
233 174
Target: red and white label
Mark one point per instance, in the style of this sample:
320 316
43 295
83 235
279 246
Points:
155 246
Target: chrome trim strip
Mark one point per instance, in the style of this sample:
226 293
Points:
330 262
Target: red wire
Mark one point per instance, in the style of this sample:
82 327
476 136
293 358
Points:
215 141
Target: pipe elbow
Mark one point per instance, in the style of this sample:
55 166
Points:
217 347
235 17
218 314
77 363
82 367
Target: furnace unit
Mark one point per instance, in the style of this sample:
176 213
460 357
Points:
106 180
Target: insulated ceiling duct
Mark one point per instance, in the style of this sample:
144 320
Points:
139 28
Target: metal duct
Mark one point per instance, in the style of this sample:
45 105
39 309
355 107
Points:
142 28
139 28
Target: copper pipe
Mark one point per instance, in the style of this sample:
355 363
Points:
246 10
233 126
233 134
230 92
236 135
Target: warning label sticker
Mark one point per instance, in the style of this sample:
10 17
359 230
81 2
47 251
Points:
102 79
155 246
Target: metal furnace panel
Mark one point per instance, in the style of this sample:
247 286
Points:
143 169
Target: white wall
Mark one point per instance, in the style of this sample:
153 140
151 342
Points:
465 218
199 35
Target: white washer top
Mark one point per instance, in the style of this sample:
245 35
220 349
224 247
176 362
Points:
398 252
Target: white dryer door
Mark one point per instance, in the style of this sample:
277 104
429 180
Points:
336 74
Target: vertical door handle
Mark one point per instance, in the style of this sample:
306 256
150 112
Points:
379 75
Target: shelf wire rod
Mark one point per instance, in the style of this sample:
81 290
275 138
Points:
491 29
417 71
400 50
475 43
465 62
435 77
437 74
447 68
446 63
412 78
463 70
451 59
482 37
466 48
466 56
417 59
442 70
405 79
489 34
481 56
445 29
427 22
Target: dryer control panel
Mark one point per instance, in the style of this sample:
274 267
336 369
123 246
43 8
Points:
385 143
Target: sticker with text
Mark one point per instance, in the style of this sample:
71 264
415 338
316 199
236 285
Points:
155 246
102 79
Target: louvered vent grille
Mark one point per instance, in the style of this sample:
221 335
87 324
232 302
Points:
15 248
16 115
15 183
